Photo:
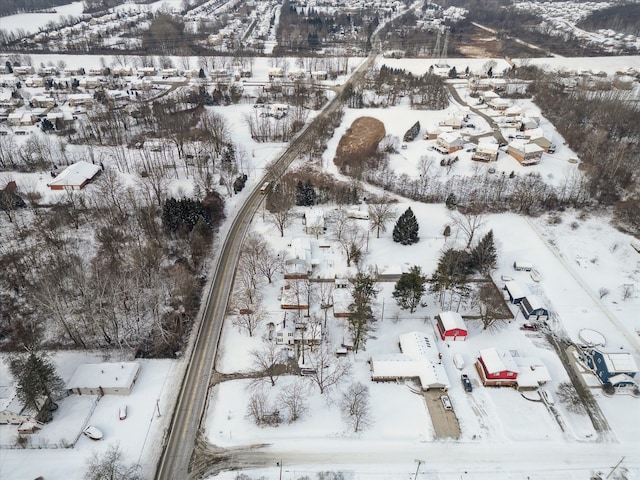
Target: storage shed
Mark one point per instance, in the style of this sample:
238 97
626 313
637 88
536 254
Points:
515 291
451 326
531 307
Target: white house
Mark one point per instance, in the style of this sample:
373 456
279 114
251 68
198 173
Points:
419 358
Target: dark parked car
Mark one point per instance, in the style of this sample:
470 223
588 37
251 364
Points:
466 383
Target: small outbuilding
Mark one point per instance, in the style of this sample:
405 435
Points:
451 326
515 291
531 307
104 378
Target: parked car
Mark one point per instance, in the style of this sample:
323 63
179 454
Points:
529 326
122 412
94 433
446 403
552 149
458 361
466 383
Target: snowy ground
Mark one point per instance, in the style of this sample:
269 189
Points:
503 434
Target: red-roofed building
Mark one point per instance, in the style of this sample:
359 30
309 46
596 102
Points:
451 326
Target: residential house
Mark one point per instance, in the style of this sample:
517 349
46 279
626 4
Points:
11 407
500 104
419 359
75 177
298 261
524 152
497 368
617 368
451 142
76 99
42 101
451 326
486 152
294 330
275 72
453 123
104 378
319 75
314 221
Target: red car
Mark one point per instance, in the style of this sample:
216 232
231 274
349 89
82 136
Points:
530 327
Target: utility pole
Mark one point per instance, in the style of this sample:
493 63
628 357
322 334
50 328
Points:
420 462
280 465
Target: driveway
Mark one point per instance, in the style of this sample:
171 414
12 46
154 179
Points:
445 422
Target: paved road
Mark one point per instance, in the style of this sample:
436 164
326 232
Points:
496 129
192 400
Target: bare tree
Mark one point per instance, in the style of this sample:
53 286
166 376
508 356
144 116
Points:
352 239
279 205
249 318
489 306
269 361
257 407
327 369
355 406
568 395
380 214
259 257
469 224
111 466
324 294
294 400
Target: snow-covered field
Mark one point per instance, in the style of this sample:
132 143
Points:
503 435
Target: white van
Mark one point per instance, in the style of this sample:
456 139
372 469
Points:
458 361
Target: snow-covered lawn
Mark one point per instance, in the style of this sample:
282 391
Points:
139 436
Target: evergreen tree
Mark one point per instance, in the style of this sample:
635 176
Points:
300 193
451 275
361 319
409 289
309 194
451 202
37 379
182 215
453 73
483 256
406 228
201 73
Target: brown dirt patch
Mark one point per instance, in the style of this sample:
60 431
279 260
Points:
358 144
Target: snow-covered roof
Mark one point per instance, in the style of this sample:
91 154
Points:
525 147
419 358
487 147
449 138
76 174
452 320
531 371
496 362
105 375
342 298
515 289
534 302
620 362
621 378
